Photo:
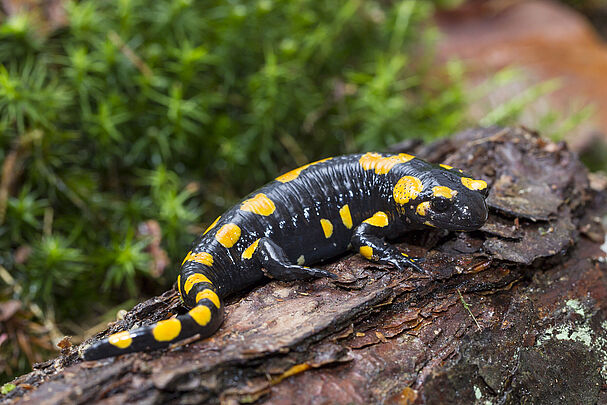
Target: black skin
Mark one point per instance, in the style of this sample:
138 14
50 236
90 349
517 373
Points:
368 235
293 232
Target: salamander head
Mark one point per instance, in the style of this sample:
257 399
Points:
442 198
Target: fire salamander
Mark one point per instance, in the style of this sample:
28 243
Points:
305 216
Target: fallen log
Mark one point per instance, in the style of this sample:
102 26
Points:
514 312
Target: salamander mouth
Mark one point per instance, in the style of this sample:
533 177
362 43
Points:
470 219
458 227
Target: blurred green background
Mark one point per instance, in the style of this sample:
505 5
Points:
127 126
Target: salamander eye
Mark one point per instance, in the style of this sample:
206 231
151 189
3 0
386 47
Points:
441 205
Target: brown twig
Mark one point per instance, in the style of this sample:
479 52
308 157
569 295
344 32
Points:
130 54
11 168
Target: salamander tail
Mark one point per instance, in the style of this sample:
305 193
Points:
202 320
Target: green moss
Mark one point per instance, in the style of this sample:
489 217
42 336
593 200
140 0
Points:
6 388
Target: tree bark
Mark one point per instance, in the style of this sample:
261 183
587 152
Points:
513 313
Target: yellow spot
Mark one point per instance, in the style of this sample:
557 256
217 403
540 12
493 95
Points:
366 251
293 174
121 340
407 188
212 225
446 166
346 218
379 219
474 184
167 330
442 191
301 260
260 204
194 279
201 314
248 253
404 254
382 165
201 257
327 227
210 294
423 208
296 369
228 235
179 285
428 223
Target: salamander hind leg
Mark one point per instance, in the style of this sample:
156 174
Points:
202 321
368 240
276 263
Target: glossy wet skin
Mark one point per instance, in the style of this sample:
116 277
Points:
305 216
303 212
445 201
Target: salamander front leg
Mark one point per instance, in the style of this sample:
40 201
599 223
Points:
368 240
276 264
